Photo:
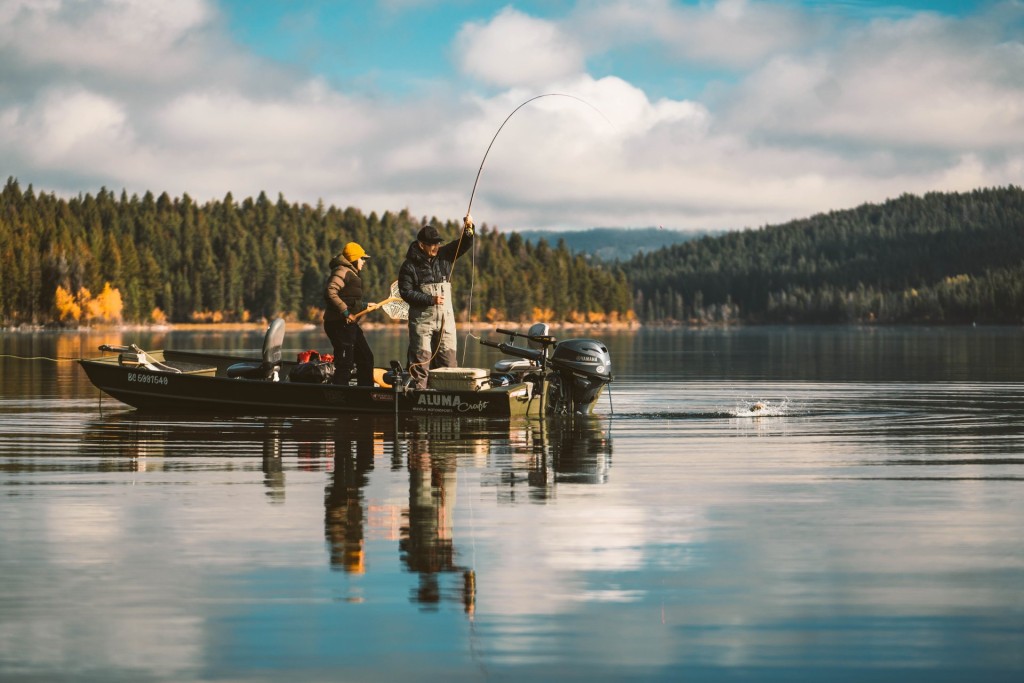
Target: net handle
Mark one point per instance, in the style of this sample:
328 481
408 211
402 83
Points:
395 312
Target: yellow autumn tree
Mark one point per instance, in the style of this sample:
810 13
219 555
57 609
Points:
206 316
105 306
543 315
67 307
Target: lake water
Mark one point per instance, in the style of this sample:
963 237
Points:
867 524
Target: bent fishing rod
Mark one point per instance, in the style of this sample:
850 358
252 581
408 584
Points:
479 172
537 97
476 182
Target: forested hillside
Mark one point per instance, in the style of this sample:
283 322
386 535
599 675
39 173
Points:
144 259
941 258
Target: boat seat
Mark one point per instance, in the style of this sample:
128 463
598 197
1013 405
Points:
270 367
514 365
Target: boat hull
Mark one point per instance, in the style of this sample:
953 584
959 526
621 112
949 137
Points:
204 387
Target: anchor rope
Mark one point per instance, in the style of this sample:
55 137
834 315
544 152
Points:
55 360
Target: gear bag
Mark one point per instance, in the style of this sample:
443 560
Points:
312 369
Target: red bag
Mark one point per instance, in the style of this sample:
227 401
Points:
312 355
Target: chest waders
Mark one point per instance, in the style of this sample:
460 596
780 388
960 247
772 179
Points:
430 328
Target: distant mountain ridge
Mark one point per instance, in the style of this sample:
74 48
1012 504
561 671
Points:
615 244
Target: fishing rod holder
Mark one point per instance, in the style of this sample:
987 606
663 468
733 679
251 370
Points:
538 356
538 335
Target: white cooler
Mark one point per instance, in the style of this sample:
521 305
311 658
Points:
458 379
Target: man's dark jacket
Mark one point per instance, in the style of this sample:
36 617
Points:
419 269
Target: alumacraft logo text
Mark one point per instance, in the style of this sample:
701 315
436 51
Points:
430 401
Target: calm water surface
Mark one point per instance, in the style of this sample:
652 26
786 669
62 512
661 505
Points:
868 524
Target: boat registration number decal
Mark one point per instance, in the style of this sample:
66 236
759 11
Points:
141 378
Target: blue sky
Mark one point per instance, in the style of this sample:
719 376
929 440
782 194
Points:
397 46
713 115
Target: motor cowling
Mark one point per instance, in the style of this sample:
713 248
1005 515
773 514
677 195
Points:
584 366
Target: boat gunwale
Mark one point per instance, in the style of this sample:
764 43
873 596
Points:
120 389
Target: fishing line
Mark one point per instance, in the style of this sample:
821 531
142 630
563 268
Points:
479 171
55 360
465 341
469 307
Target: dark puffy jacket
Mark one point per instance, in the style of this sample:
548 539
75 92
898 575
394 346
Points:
419 269
343 289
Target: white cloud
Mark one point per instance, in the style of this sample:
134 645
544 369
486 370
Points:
913 83
69 127
830 114
515 49
724 34
115 36
582 159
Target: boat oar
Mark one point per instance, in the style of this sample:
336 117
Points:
394 306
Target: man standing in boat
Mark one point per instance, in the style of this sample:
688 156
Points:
424 282
343 296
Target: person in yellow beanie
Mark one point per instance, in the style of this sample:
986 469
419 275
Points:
343 296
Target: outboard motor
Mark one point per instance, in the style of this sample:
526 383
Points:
583 368
575 370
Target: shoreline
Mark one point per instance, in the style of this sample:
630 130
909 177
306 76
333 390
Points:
292 326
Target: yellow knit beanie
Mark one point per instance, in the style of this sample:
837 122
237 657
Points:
353 252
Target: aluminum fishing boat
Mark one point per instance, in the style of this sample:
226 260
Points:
545 377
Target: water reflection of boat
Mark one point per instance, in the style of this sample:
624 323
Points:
519 460
508 455
547 377
580 451
427 542
344 505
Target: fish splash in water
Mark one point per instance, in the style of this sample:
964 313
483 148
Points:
759 409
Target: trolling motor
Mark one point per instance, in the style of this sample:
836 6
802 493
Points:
575 371
397 377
